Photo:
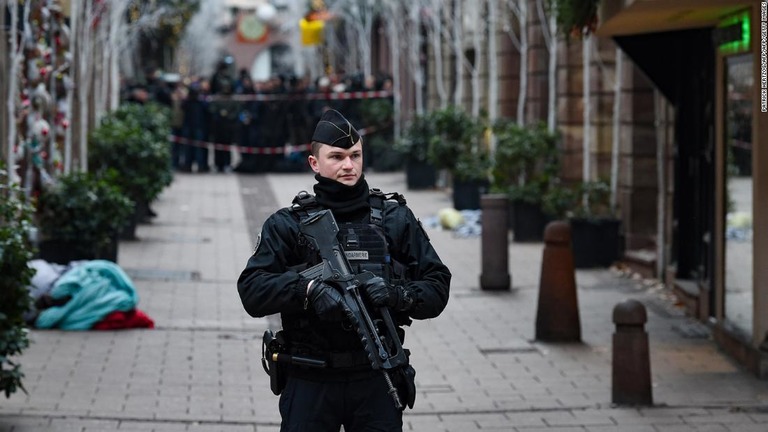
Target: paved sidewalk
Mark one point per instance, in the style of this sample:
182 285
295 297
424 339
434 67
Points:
478 367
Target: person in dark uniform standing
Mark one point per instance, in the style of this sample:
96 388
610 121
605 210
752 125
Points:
380 234
224 126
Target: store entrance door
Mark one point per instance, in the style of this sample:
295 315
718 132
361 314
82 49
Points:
737 284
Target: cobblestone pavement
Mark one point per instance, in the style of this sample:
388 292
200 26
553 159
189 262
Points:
478 365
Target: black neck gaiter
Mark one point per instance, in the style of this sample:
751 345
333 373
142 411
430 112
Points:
341 199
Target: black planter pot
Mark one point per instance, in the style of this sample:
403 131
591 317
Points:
64 252
129 230
420 175
143 213
527 221
595 242
466 193
139 216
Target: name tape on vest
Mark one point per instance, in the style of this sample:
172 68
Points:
356 255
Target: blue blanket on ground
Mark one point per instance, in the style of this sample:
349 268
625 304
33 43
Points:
97 288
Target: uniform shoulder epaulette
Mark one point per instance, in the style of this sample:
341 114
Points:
377 198
392 196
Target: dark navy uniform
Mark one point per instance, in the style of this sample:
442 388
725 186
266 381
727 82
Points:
380 235
271 284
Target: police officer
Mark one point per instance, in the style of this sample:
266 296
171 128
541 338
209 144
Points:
379 234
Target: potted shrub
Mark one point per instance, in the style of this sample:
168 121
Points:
79 218
595 228
132 141
526 163
15 276
575 18
420 173
459 146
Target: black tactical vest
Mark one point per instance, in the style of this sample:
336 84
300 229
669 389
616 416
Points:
364 244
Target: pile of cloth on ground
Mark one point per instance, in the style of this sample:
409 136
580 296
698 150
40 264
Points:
84 295
463 223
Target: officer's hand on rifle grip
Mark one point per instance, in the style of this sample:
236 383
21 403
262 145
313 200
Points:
382 294
327 301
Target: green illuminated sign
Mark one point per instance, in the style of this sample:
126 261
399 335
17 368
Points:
733 34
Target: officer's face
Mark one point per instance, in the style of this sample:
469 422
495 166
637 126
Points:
343 165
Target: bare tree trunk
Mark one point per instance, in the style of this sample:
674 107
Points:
84 81
587 122
74 41
7 150
350 61
436 31
394 47
458 52
523 95
201 42
549 31
478 33
365 45
552 79
112 35
358 25
116 26
50 145
414 57
100 70
493 68
396 96
16 57
617 94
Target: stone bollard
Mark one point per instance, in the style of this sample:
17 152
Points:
631 362
557 317
495 243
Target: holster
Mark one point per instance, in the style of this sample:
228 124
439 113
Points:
272 344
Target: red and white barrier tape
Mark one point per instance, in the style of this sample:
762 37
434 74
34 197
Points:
302 96
286 149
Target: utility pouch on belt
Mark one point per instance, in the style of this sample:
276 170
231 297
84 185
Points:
275 358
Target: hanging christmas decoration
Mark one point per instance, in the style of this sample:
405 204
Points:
39 101
311 31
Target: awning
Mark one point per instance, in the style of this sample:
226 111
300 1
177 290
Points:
652 16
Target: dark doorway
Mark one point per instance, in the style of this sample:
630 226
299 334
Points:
681 64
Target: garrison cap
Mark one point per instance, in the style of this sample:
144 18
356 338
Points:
335 130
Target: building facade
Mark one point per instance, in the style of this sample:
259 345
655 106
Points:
667 95
707 59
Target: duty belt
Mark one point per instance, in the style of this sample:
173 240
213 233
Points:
340 360
347 359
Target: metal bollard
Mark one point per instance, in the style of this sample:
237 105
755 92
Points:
631 360
557 316
495 243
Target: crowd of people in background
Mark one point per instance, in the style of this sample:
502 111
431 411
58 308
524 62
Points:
268 123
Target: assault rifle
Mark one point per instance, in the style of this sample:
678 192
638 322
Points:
378 336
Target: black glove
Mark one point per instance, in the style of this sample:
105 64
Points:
327 301
382 294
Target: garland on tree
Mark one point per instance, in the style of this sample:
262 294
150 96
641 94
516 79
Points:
41 109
